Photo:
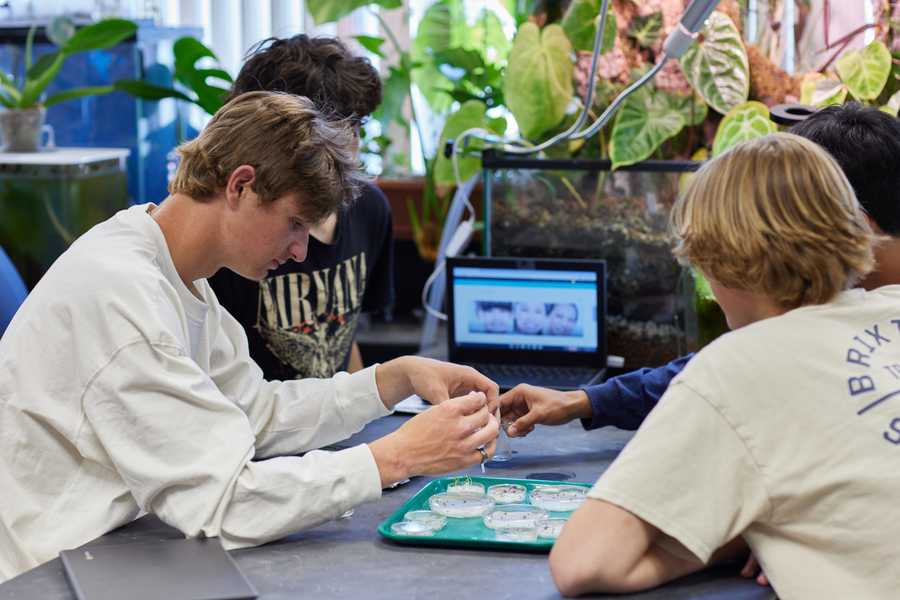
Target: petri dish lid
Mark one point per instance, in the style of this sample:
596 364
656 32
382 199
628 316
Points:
427 517
461 506
514 515
466 487
415 528
516 533
507 493
558 498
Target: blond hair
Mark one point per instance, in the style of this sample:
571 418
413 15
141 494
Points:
291 147
777 216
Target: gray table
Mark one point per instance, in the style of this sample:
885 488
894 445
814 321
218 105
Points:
348 559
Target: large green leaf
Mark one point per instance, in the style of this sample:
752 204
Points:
538 84
81 92
371 43
747 121
820 91
148 91
46 70
580 24
865 71
210 97
717 65
395 92
99 36
327 11
470 114
645 121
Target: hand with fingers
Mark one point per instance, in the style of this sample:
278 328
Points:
458 433
433 380
752 570
525 406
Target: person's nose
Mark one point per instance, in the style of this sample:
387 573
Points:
298 248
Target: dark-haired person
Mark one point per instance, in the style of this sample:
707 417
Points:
126 388
865 142
301 319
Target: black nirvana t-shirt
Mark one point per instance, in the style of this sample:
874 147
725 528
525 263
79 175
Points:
301 319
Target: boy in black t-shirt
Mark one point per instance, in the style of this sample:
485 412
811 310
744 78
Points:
301 319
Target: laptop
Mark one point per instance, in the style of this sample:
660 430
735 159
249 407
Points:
528 320
192 569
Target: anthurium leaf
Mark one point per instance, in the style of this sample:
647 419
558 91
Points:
820 91
148 91
328 11
865 71
101 35
746 121
646 29
645 121
538 83
580 24
60 30
471 114
371 43
717 66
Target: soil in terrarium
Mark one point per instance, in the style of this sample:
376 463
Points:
621 217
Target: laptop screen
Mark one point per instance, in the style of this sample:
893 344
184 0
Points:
526 305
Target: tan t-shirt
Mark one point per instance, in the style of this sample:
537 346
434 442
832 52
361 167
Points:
786 431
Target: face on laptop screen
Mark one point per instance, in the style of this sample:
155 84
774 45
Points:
525 309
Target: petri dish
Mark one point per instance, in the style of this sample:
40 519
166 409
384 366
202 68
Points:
507 493
412 528
428 518
550 527
465 487
461 506
514 515
516 533
558 498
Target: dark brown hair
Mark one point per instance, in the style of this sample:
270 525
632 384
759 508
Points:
341 85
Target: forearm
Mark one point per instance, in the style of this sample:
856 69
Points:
392 381
356 362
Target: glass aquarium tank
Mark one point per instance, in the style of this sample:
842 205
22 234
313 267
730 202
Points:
581 209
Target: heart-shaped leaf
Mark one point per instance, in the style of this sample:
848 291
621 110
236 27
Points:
538 83
865 71
747 121
717 66
645 121
580 24
820 91
470 114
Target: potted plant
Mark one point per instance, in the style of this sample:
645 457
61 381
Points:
23 119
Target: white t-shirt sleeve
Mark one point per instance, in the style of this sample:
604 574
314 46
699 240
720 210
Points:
184 451
688 472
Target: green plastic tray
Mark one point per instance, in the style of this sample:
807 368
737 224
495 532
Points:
471 532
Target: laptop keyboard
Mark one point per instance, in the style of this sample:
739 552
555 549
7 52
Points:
508 376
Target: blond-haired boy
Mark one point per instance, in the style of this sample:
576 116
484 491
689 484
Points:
786 431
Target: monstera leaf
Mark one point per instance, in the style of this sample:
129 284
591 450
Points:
717 66
470 114
747 121
327 11
580 24
865 71
820 91
647 119
538 84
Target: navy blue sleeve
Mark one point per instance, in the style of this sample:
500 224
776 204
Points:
625 401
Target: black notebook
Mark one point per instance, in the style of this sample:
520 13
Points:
194 569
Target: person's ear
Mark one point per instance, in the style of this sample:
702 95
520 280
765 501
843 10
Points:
240 180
